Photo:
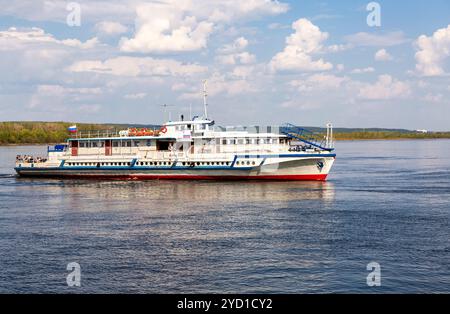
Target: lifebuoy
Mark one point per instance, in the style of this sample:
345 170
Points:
164 129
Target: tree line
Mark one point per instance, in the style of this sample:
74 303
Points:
56 132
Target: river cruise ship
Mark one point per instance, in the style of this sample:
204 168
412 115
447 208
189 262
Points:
191 149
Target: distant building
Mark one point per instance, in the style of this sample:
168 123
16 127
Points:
422 131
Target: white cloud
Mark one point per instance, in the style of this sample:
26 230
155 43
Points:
242 58
221 84
134 66
234 53
180 26
54 98
383 55
162 28
363 70
319 82
135 96
109 28
306 41
377 40
238 45
385 88
433 98
277 26
433 51
15 39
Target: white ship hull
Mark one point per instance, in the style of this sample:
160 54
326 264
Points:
290 167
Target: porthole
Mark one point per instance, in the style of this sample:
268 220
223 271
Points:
253 163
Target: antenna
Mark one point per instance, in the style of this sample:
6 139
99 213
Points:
190 112
165 110
205 96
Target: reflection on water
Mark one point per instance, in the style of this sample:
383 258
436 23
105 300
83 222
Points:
387 202
146 193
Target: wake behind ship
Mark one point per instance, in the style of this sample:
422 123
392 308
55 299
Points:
191 149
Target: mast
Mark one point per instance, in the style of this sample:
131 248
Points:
205 96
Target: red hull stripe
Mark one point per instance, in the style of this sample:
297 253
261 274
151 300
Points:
302 177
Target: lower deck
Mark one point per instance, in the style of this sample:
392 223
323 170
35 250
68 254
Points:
259 167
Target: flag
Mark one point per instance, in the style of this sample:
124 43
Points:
72 129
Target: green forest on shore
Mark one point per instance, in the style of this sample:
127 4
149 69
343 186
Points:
14 133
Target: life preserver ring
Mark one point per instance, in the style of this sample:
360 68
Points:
163 129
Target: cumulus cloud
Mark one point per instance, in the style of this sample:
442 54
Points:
363 70
383 55
385 88
178 26
377 40
109 28
433 98
238 45
301 46
16 39
319 82
56 98
162 28
234 53
135 96
433 51
219 83
135 66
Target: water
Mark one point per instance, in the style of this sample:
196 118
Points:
385 201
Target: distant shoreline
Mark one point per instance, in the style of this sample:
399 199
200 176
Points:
336 140
16 133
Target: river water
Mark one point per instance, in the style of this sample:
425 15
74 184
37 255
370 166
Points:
386 202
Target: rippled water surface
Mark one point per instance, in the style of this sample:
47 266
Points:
385 201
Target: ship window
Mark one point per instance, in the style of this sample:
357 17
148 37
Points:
81 144
240 141
94 144
253 163
136 143
248 162
115 144
281 141
257 141
228 163
275 141
232 141
237 163
129 163
198 164
128 143
248 141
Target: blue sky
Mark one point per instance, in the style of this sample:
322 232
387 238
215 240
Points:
266 62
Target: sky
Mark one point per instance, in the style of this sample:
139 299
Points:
352 63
